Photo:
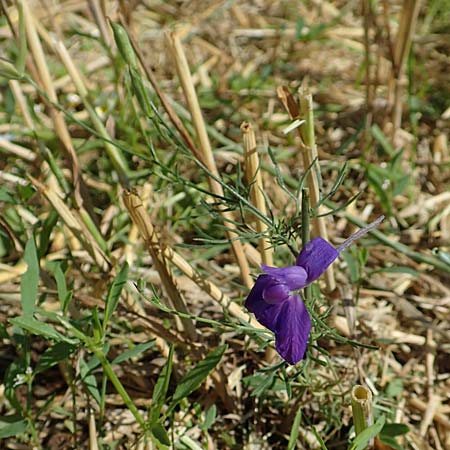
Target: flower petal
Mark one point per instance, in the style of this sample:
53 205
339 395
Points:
266 314
294 277
293 326
275 292
315 258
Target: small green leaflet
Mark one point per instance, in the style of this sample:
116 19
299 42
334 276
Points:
12 426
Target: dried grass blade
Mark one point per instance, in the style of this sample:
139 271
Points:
203 283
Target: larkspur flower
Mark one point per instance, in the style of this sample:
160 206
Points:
276 302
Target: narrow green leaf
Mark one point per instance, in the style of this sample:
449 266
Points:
378 134
160 389
30 279
63 294
210 417
362 440
89 381
53 355
6 195
190 443
318 437
47 227
12 426
267 382
160 433
114 294
133 352
124 45
394 429
40 329
195 377
97 329
295 430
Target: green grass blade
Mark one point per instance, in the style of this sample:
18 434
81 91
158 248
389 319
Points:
30 279
114 292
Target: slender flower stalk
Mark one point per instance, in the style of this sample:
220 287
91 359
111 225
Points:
305 229
275 299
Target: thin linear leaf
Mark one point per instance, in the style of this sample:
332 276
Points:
394 429
195 377
47 227
160 433
132 352
114 294
378 134
64 295
210 418
160 389
54 354
295 429
190 443
318 437
89 380
40 329
30 279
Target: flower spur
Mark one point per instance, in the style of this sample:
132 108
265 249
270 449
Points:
276 302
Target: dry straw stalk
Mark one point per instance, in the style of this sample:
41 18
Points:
308 151
143 222
57 117
75 224
139 215
254 179
408 20
205 155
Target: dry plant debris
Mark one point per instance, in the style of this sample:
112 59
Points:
154 154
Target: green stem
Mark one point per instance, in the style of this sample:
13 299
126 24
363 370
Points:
305 230
119 387
92 345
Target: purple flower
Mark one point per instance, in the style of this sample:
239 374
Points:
276 302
